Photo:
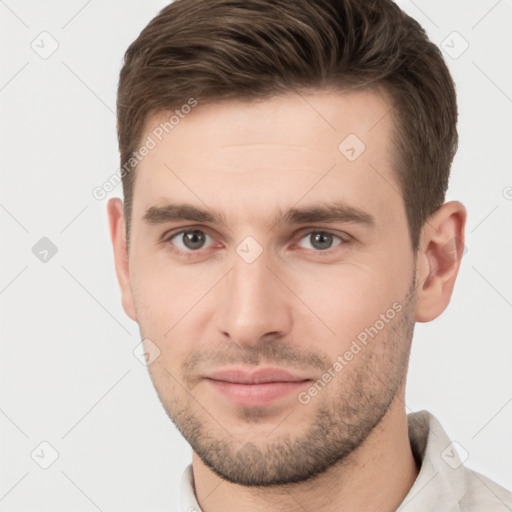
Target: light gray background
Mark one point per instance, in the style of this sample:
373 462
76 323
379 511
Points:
68 374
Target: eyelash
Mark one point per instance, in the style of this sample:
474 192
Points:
191 253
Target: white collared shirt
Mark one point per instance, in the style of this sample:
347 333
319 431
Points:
443 484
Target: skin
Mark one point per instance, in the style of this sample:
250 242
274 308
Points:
297 306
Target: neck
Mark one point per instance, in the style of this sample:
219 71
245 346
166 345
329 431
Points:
375 477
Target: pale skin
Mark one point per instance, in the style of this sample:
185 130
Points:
294 306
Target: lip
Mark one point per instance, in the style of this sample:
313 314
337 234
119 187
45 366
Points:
259 376
256 388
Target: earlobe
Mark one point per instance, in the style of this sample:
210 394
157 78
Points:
118 236
441 250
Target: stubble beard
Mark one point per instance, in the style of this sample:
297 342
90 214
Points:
348 410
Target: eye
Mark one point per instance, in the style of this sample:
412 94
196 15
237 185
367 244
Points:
190 240
320 240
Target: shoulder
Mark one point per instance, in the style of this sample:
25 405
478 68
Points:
482 494
444 482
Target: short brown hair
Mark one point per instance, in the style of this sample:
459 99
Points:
212 50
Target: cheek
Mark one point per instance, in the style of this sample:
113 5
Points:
166 291
169 300
344 300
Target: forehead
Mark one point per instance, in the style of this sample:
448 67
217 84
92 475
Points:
313 121
281 150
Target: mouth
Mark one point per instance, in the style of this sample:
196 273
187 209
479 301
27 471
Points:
257 388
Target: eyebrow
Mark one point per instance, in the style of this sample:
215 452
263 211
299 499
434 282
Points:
324 212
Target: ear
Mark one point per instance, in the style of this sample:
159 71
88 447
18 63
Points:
439 255
118 235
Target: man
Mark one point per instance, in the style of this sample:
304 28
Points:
283 228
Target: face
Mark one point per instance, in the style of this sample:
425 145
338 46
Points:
270 264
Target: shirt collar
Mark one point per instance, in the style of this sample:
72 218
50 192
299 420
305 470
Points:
441 471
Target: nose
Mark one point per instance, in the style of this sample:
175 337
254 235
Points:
253 304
